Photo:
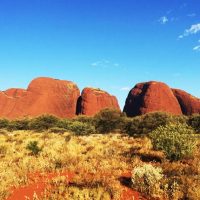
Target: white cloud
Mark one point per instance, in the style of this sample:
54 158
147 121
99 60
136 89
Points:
163 20
192 15
196 48
125 89
194 29
104 64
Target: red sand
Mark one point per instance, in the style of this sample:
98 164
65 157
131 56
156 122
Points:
22 193
40 184
128 193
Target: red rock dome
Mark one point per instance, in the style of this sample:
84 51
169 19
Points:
43 96
189 104
93 100
151 97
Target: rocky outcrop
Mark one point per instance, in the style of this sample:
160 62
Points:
150 97
62 98
43 96
93 100
189 104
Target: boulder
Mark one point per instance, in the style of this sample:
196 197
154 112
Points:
151 97
43 96
94 100
189 104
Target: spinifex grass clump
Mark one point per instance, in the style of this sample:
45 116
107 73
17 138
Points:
33 148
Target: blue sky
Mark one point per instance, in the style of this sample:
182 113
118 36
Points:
109 44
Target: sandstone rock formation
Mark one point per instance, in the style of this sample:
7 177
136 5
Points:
43 96
189 104
93 100
150 97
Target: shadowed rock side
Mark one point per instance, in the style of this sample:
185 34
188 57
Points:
150 97
43 96
189 104
93 100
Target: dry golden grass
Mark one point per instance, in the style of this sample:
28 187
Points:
95 159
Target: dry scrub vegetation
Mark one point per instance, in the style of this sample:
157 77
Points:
99 163
96 160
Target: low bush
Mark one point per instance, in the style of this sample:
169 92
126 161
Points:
33 148
194 122
132 126
147 179
22 124
43 122
146 123
108 120
81 128
85 119
63 123
4 123
175 140
153 120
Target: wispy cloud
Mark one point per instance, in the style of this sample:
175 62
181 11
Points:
163 20
196 48
104 64
192 15
125 89
194 29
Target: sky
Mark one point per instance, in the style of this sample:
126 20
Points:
108 44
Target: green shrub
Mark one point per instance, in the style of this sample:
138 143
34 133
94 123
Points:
132 126
147 179
182 119
4 123
85 119
22 124
175 140
43 122
153 120
194 122
63 123
81 128
33 148
108 120
146 123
